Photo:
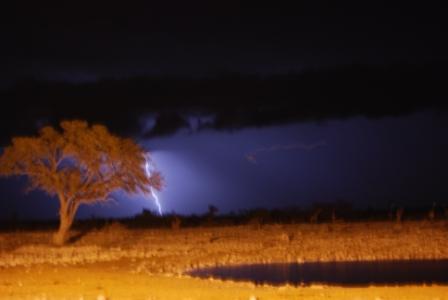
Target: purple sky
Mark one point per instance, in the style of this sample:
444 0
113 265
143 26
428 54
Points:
314 60
364 161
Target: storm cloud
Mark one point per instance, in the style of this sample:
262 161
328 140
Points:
234 100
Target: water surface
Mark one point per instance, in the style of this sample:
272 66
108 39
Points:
335 273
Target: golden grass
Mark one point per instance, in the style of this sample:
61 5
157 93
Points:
140 264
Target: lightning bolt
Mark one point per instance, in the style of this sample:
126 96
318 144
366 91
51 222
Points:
153 193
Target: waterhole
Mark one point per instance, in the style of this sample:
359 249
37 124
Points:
335 273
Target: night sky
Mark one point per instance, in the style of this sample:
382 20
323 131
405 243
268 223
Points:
242 106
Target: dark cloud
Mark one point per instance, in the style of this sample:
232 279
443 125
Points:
79 42
167 123
235 100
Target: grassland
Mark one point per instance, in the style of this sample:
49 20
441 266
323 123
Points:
122 263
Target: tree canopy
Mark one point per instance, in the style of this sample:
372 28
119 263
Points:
79 164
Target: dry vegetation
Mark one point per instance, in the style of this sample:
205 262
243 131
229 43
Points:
153 255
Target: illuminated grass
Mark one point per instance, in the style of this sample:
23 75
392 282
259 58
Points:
175 251
148 264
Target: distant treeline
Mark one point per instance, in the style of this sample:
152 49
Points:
318 213
235 100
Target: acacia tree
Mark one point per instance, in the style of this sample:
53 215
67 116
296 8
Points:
79 164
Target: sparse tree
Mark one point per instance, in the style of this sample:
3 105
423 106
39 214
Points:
399 214
212 211
432 212
79 164
315 215
175 223
333 216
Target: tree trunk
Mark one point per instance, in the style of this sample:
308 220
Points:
60 237
66 215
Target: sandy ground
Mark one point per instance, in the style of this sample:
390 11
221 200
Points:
118 263
90 282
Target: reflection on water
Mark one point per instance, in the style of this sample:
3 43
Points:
336 273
